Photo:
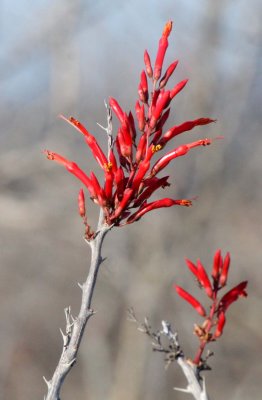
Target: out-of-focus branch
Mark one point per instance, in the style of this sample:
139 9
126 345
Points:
75 327
195 383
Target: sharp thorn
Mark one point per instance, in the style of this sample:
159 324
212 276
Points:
182 390
48 383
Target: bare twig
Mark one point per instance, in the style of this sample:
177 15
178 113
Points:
195 383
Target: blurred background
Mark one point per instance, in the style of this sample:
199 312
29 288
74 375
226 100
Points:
67 56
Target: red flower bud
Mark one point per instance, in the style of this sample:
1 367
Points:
141 148
157 204
120 182
193 268
123 161
132 126
162 47
143 88
81 203
191 300
147 61
168 73
141 118
117 109
161 103
220 324
216 264
180 86
162 120
203 279
224 271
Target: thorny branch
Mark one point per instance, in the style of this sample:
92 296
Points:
75 327
173 352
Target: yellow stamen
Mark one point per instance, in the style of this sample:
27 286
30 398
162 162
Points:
108 166
156 148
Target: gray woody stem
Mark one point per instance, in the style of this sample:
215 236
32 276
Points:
195 385
75 327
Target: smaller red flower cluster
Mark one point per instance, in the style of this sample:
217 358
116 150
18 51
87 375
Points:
214 323
129 174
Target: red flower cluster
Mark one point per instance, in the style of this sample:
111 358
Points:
214 323
130 176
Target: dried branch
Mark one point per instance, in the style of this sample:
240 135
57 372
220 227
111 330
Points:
173 352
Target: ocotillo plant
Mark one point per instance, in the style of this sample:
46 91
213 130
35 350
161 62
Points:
131 168
209 331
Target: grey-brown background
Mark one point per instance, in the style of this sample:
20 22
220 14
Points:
67 57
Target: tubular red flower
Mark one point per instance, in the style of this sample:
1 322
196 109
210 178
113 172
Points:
154 184
90 140
185 126
220 325
74 169
216 265
148 65
191 300
166 202
233 295
81 203
203 279
165 160
162 47
224 270
168 73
